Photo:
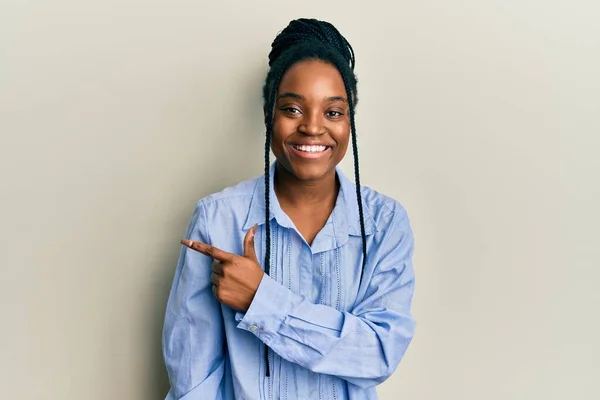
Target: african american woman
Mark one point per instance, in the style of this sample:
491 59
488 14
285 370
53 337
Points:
297 284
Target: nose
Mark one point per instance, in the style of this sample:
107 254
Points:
311 124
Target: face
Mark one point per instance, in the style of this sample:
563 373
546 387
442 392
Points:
311 125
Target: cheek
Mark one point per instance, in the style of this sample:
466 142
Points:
278 137
343 149
343 139
282 128
283 125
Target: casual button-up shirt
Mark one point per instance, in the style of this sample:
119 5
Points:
331 335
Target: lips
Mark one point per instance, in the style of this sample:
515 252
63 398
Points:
310 151
314 148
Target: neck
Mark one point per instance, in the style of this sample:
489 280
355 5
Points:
294 192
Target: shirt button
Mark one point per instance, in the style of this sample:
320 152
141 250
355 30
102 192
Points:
253 328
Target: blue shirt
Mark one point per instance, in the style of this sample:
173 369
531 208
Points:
330 336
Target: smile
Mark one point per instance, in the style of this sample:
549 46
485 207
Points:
310 151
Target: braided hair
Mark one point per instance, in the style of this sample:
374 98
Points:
308 39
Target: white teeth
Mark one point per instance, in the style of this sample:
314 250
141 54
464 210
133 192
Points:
310 149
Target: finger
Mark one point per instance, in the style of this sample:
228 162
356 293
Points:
249 251
208 250
214 290
214 278
217 267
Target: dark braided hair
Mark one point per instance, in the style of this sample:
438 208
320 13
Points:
308 39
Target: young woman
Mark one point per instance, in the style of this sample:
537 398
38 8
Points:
298 284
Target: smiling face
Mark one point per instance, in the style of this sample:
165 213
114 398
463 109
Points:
311 125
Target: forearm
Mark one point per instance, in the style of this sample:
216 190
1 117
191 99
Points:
362 349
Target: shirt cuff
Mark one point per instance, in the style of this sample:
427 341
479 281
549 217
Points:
271 305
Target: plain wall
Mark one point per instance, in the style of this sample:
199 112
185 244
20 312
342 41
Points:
481 117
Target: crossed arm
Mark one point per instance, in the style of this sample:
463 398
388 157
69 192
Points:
317 337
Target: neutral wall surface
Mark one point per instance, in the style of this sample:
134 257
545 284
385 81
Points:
481 117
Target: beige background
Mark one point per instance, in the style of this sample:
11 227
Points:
481 117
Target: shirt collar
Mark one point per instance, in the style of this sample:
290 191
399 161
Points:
345 218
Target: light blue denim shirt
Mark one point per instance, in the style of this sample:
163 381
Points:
330 336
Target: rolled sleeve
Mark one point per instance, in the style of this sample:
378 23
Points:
271 305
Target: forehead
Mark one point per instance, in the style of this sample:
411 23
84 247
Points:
313 78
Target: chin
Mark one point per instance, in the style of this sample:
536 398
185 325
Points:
312 172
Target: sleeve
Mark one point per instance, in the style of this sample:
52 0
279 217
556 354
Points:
193 336
363 346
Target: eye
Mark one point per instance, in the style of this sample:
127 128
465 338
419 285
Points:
334 114
291 110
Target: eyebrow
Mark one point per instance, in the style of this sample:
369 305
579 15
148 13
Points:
337 98
292 95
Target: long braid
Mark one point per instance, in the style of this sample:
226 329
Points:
267 224
358 191
351 106
269 108
267 202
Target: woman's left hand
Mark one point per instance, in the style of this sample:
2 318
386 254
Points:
235 278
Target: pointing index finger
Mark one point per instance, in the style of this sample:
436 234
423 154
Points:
208 250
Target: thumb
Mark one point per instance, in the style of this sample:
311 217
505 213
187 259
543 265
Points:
249 251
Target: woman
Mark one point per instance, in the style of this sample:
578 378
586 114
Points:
326 315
